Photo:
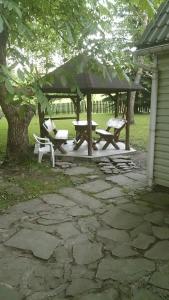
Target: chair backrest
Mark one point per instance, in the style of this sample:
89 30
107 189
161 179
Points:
41 141
116 123
49 125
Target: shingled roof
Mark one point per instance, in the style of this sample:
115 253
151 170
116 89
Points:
77 73
157 32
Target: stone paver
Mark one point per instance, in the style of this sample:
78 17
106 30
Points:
87 252
127 183
53 217
121 180
109 294
30 207
119 219
143 241
80 285
161 233
67 230
40 243
160 280
79 211
111 193
135 208
79 171
57 200
8 293
123 250
154 198
128 270
159 251
114 235
95 186
79 271
142 228
88 224
137 176
81 198
113 244
144 294
156 217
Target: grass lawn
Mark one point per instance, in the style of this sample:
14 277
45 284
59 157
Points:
34 179
138 133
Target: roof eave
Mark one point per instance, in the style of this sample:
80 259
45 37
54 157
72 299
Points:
152 50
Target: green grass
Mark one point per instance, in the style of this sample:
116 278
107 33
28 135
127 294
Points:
138 132
35 179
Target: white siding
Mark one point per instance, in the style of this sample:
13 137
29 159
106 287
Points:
161 159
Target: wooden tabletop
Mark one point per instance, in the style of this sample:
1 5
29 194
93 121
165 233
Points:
83 123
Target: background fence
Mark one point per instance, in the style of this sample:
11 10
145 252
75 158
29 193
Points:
141 106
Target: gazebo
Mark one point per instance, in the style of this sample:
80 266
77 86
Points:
83 76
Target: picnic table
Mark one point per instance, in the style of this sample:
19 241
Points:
82 133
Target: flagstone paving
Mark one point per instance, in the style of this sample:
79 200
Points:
105 238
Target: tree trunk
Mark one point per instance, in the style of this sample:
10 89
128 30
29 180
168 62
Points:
133 95
137 78
18 140
41 115
18 116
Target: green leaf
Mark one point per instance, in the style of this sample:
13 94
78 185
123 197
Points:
1 24
18 11
20 75
9 87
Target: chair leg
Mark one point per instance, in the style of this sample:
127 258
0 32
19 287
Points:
40 157
53 159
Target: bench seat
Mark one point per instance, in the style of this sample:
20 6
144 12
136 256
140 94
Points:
104 132
108 137
61 135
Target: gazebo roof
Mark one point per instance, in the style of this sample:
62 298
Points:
76 73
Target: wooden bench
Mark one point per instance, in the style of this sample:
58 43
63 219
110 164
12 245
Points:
60 138
108 137
57 137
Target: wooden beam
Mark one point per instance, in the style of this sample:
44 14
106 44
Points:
60 118
60 96
127 142
116 111
89 123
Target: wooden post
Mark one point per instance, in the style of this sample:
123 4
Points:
41 120
89 123
116 112
127 142
78 108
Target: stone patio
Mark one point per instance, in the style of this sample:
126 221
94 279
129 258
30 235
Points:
105 239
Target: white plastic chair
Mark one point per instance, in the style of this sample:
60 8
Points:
44 146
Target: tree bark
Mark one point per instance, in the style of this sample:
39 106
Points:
18 116
137 78
41 115
133 95
18 140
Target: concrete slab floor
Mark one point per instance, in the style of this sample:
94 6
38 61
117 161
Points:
82 151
